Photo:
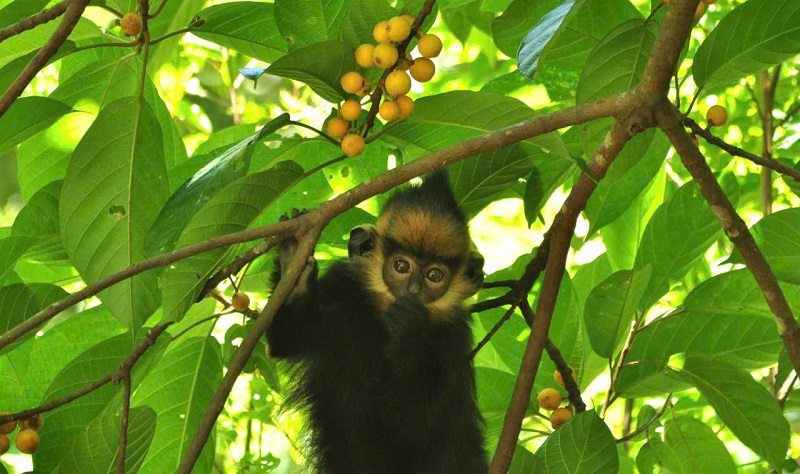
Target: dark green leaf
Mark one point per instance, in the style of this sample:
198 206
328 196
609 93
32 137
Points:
361 19
778 237
247 27
691 447
507 28
583 445
320 66
305 22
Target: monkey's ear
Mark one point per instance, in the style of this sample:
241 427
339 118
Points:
363 239
475 270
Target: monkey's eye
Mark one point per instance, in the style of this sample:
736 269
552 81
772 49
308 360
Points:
402 266
435 275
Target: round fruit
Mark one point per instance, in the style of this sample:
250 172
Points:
364 55
240 301
405 62
409 18
559 417
560 380
717 115
352 145
429 46
8 426
549 399
131 24
337 128
422 69
5 443
350 110
381 32
384 55
398 29
398 83
27 441
35 422
389 110
405 104
364 91
352 82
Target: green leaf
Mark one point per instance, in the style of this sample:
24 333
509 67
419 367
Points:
691 447
610 309
754 36
230 210
64 424
38 221
535 41
231 164
668 247
18 302
544 179
584 444
509 29
305 22
725 317
778 237
361 19
494 394
179 389
32 40
28 116
247 27
744 405
98 445
11 249
320 66
115 184
174 16
19 9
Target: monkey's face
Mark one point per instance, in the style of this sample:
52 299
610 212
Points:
406 275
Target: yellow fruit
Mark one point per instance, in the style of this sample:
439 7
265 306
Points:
549 399
560 380
364 55
5 443
405 104
7 427
350 110
384 55
337 128
364 91
398 29
717 115
409 18
381 32
35 422
559 417
701 9
429 46
405 62
397 83
131 24
352 145
352 82
422 69
240 301
27 441
389 110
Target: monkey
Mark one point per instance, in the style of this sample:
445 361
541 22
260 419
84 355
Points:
382 342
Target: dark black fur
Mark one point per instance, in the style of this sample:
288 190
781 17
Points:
386 392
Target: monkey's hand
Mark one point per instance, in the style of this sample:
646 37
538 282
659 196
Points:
307 282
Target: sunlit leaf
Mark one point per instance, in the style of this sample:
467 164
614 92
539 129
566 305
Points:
583 445
28 116
248 27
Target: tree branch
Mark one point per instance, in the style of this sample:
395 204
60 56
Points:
123 425
71 16
35 20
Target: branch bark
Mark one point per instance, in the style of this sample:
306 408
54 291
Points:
33 21
71 16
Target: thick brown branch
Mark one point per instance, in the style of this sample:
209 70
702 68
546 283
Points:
71 16
33 21
735 228
736 151
562 231
488 141
115 376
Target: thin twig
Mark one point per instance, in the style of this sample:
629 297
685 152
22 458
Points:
123 426
240 262
649 422
782 399
317 131
618 368
158 10
492 332
200 322
35 20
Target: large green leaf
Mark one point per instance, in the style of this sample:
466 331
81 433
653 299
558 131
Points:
610 309
11 249
778 237
179 389
174 16
754 36
668 247
361 19
28 116
229 165
494 394
98 445
247 27
744 405
19 9
583 445
691 447
18 302
115 184
320 66
725 317
305 22
38 221
32 40
517 20
230 210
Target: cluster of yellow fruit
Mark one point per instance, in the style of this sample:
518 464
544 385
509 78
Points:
396 84
550 399
27 439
